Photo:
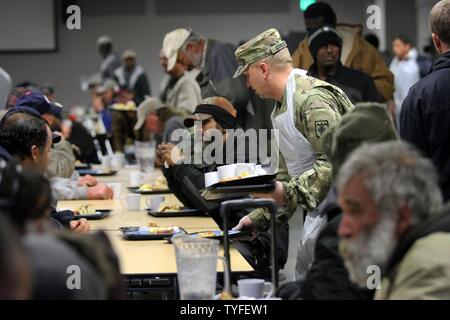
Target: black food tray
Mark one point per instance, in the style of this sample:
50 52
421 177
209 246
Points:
154 191
183 212
98 215
96 173
138 233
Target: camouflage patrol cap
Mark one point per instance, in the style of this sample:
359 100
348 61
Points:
265 44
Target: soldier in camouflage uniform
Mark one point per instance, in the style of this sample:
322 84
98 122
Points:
306 107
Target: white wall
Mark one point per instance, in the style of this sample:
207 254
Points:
77 54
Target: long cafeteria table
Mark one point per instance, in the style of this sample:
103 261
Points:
148 266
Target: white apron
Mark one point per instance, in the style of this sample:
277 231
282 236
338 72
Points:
299 156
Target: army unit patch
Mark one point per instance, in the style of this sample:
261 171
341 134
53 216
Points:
321 127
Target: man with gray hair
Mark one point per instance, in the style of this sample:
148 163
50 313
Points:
391 226
216 64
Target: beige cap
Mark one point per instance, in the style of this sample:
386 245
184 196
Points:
147 106
105 39
129 54
172 43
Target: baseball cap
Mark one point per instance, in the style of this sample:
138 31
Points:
147 106
39 102
106 85
105 39
262 46
172 43
129 54
36 100
218 108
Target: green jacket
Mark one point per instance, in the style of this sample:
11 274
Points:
423 273
61 161
318 105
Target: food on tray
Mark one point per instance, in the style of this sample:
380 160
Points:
162 230
209 234
146 187
129 106
153 224
160 183
164 207
86 209
244 174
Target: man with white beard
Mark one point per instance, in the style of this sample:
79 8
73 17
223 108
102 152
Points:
391 219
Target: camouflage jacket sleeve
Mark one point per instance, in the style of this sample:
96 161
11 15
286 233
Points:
314 113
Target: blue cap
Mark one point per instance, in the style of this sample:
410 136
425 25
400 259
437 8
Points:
36 100
56 109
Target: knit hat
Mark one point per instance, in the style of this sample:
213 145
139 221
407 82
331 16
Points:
323 37
367 123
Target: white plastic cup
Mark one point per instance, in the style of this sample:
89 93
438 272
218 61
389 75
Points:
136 178
211 178
116 188
228 171
255 288
106 162
259 170
154 202
249 168
118 161
132 202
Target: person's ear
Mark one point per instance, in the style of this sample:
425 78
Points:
34 152
264 67
436 41
403 220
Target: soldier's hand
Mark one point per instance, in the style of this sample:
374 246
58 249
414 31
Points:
277 194
245 224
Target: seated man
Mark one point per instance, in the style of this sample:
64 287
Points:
325 45
218 114
390 200
26 135
61 158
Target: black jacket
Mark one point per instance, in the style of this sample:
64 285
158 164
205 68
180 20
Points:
425 119
328 278
186 181
357 85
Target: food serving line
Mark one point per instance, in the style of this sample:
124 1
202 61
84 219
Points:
148 265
